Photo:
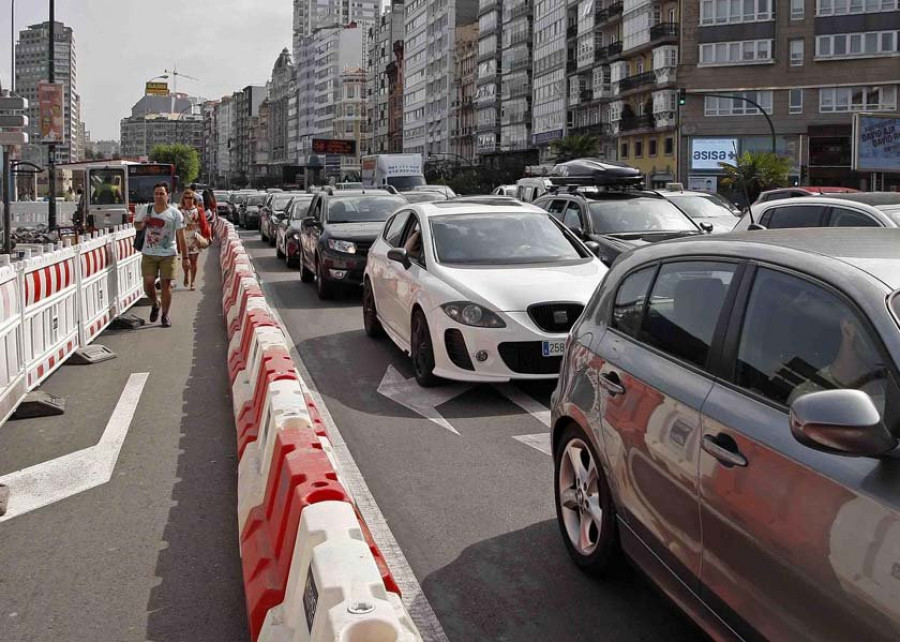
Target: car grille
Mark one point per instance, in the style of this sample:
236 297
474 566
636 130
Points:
555 317
456 349
526 357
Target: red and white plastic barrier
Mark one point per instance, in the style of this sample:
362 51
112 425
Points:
97 289
311 568
13 386
129 282
50 310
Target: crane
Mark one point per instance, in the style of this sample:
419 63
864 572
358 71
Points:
176 74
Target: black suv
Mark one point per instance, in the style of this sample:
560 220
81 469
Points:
336 236
617 219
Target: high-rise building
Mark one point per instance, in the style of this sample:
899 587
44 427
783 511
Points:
32 68
462 110
642 76
179 120
248 102
281 88
395 99
310 15
429 48
809 64
224 173
386 31
548 107
351 119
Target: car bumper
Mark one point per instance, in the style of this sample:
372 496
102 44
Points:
292 248
344 268
513 352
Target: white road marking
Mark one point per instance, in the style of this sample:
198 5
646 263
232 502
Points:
51 481
526 402
424 401
539 441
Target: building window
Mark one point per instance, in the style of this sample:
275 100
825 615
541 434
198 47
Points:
797 52
652 147
715 106
720 12
844 99
624 150
735 53
638 149
857 45
843 7
796 101
669 146
797 9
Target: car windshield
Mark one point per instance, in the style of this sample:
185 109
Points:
424 197
513 238
893 211
638 214
698 206
300 208
280 202
257 200
404 183
365 208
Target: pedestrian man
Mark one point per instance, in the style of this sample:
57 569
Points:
163 227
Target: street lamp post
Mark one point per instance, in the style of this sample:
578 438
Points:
751 102
51 77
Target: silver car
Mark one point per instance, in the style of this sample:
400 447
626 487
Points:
728 415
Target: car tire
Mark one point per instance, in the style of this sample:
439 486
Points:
278 253
306 275
370 314
421 351
324 289
585 510
271 241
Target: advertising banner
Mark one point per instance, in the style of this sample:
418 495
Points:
156 89
707 153
876 143
708 184
53 122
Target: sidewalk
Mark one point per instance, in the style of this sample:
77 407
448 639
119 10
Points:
152 554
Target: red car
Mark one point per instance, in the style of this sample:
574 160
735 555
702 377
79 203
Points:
794 192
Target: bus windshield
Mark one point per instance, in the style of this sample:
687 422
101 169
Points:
142 178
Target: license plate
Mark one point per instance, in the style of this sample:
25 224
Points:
553 348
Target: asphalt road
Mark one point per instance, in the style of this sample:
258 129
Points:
474 511
153 553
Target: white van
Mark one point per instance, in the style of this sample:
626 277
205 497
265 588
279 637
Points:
529 189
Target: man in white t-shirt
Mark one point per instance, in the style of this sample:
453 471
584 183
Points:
163 227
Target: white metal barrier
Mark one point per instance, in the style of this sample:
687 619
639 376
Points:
50 311
97 292
129 283
31 213
13 386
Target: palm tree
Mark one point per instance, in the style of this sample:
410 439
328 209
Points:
572 147
755 172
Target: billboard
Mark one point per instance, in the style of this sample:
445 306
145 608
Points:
707 153
876 143
333 146
53 121
156 89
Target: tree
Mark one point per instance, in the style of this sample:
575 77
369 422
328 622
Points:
572 147
755 172
185 159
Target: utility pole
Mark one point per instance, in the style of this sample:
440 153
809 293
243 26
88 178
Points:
51 77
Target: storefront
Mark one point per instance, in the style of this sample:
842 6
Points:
830 162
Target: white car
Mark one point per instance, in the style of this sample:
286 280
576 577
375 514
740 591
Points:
478 292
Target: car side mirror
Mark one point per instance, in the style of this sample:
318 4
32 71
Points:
706 227
309 221
593 246
756 226
400 255
843 422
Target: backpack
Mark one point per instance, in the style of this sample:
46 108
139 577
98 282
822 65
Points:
138 243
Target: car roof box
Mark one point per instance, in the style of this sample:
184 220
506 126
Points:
590 171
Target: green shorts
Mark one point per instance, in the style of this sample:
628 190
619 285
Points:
164 266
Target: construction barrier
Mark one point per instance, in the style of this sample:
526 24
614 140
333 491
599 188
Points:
50 310
334 591
274 365
97 288
129 282
13 386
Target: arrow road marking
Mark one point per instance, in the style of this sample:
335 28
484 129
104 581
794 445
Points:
539 441
51 481
423 401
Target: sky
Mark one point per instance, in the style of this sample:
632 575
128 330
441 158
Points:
121 44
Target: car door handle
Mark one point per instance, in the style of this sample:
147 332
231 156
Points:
609 381
724 448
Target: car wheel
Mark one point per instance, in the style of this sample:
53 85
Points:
584 507
422 352
306 275
324 289
370 314
278 252
271 241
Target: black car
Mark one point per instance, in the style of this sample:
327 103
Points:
336 236
248 215
271 213
618 220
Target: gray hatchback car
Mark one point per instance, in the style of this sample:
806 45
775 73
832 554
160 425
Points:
727 415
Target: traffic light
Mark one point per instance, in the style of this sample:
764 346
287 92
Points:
682 97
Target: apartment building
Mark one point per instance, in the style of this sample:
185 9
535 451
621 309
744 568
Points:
395 99
281 88
162 120
549 69
225 127
351 119
32 68
809 64
429 47
386 31
462 108
643 115
210 149
247 104
487 78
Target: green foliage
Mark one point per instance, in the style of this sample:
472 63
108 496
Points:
185 159
756 172
572 147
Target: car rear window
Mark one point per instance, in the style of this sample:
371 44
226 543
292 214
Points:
501 239
279 202
700 206
623 215
257 200
300 207
363 208
893 211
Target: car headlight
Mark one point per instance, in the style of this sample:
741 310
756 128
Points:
472 314
347 247
295 236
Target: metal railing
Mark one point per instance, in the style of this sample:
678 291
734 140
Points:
637 80
631 123
664 30
614 49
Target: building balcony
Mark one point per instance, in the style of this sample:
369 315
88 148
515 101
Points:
664 31
486 31
637 80
518 37
634 123
483 127
516 119
612 12
522 9
614 49
518 65
664 120
488 55
665 76
519 91
602 93
486 146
